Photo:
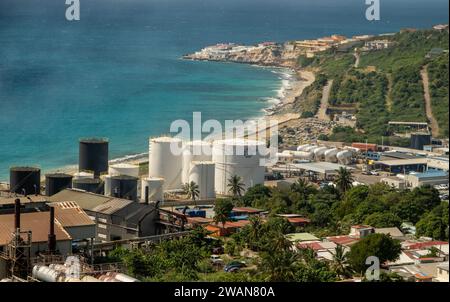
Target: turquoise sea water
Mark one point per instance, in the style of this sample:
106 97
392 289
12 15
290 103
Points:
117 73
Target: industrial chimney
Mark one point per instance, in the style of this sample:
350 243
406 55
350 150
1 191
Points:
17 214
146 195
51 235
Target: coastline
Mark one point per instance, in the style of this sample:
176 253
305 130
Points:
292 83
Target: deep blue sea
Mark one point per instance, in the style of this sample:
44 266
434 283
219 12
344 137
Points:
117 72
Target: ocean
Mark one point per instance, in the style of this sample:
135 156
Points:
117 72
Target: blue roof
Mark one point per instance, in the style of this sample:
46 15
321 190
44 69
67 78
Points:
431 174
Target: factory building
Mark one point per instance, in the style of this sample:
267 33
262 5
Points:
115 218
431 178
399 166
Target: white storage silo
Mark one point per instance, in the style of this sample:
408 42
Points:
319 153
194 151
202 173
124 169
155 188
107 182
239 157
344 157
330 155
165 161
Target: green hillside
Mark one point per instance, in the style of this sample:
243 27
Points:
387 84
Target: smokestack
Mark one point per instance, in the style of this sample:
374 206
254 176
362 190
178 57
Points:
16 214
146 195
51 235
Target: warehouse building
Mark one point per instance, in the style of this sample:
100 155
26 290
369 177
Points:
430 177
116 218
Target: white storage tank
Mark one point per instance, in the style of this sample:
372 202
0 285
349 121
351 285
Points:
165 161
124 169
309 148
303 155
202 173
330 155
302 147
239 157
83 175
344 157
194 151
155 188
46 274
319 153
107 181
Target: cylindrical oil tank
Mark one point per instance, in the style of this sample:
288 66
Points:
90 279
57 182
46 274
344 157
303 155
25 180
107 184
155 188
194 151
302 147
238 157
93 155
202 173
93 185
418 140
122 277
319 153
83 175
124 186
309 148
124 169
165 161
330 155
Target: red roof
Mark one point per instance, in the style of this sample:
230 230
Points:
310 245
298 220
343 240
247 210
231 224
421 245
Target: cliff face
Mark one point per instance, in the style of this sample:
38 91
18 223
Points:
273 55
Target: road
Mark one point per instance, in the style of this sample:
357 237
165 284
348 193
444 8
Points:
322 113
427 97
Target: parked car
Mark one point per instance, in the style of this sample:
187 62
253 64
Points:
375 173
215 259
234 266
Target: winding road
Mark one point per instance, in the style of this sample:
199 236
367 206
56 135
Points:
427 98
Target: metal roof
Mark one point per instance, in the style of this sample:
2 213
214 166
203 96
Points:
301 237
38 223
321 167
112 206
91 201
402 162
69 214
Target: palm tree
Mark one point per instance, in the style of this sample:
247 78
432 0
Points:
255 231
222 211
302 187
344 179
192 191
235 186
340 262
